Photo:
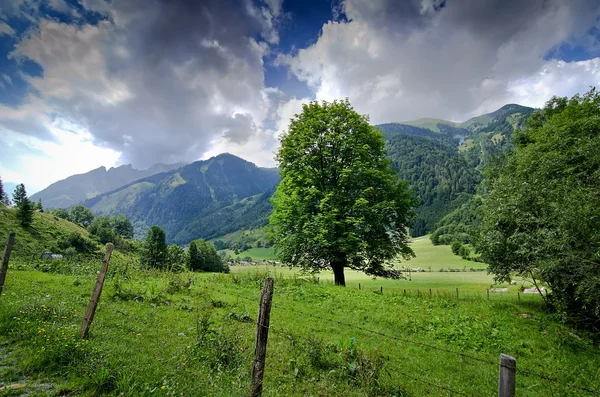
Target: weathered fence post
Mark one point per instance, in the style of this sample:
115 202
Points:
456 293
358 285
519 297
507 379
262 334
430 293
5 258
91 309
488 293
381 290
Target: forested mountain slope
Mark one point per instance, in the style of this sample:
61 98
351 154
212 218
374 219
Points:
77 188
204 199
442 160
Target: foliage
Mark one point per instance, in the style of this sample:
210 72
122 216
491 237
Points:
339 203
155 253
459 225
203 256
61 213
542 215
81 215
122 226
102 228
177 258
4 200
440 176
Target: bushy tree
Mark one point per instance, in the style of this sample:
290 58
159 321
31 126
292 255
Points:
339 204
61 213
122 226
155 248
177 258
203 256
81 215
455 246
102 228
541 218
25 207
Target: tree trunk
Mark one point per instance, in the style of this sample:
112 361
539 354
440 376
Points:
338 273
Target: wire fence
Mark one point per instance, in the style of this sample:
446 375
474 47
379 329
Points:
46 290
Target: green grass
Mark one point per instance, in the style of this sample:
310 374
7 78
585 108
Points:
193 334
428 256
41 236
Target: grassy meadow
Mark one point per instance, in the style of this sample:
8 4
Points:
193 334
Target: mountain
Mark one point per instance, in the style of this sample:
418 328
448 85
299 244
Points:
442 160
204 199
77 188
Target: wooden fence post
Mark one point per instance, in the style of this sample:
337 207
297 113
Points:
91 309
519 297
381 290
488 293
507 379
262 334
456 293
358 285
5 258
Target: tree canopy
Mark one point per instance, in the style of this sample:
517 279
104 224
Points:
203 256
339 204
155 248
541 217
81 215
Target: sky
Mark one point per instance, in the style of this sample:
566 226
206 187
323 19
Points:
90 83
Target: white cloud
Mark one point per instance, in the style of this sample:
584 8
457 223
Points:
401 61
71 153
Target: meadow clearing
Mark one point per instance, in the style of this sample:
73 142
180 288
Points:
188 334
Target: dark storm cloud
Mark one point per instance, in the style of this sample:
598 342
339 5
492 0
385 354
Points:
157 81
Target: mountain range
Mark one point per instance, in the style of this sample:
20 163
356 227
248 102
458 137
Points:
442 161
77 188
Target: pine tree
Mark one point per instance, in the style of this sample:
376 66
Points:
19 194
25 207
3 196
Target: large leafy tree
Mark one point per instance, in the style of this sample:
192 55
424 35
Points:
541 217
155 248
25 207
339 204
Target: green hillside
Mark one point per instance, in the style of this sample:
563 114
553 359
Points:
442 160
49 233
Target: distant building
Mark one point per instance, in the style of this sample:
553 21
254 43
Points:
50 255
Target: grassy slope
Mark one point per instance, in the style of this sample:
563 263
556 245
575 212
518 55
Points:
41 236
149 344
